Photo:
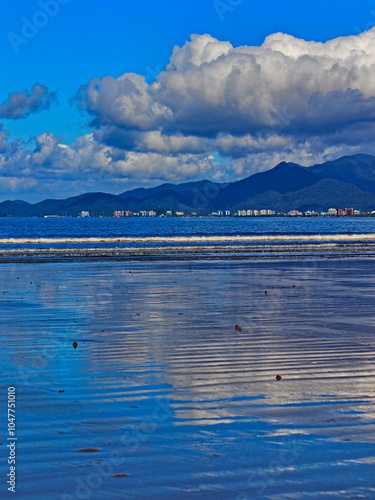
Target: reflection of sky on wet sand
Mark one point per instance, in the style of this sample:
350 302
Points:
161 376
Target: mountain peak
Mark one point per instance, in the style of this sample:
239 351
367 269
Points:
285 165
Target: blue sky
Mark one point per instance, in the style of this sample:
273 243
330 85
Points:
77 41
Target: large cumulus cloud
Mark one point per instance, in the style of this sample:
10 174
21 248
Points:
211 88
22 104
215 111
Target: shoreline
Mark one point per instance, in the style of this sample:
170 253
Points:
329 250
343 237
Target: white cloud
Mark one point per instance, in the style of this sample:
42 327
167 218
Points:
287 100
3 139
212 88
89 165
236 147
153 141
22 104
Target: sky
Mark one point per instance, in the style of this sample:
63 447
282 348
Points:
108 96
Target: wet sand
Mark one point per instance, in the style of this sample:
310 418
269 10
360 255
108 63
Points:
163 398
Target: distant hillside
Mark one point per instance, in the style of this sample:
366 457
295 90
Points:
163 201
141 193
21 201
15 209
188 189
345 182
95 203
358 170
326 193
284 178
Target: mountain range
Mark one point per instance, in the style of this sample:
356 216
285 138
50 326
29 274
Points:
346 182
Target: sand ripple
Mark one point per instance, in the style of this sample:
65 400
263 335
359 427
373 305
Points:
164 398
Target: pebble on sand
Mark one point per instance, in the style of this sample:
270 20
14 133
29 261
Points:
278 377
294 286
75 345
89 450
238 328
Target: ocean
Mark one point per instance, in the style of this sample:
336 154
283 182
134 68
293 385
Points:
36 239
90 227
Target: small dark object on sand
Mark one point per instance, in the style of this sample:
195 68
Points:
238 328
278 377
75 345
121 475
294 286
129 272
61 390
89 450
266 291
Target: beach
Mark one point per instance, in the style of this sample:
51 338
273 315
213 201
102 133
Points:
187 250
161 397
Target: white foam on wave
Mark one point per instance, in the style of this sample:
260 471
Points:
190 239
221 248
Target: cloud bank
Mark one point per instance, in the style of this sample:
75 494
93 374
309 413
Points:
215 111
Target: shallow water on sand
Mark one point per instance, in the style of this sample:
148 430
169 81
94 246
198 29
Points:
163 398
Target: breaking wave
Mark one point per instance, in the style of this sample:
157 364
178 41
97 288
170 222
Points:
192 239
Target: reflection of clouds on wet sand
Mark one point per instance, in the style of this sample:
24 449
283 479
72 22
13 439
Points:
176 328
164 334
